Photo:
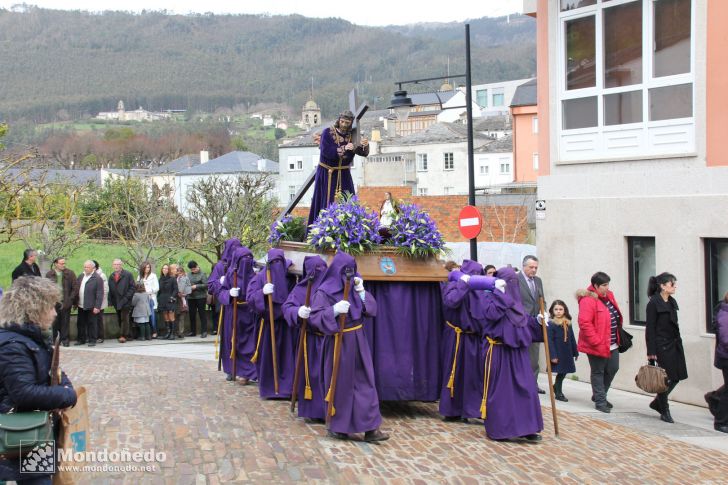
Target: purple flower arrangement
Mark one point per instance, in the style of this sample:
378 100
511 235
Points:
289 228
345 225
415 234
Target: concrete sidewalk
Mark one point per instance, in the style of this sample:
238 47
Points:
693 424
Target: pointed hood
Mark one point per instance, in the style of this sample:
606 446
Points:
242 265
515 314
278 265
333 283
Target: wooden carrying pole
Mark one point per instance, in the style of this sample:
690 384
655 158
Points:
55 362
299 353
233 351
330 410
548 368
271 316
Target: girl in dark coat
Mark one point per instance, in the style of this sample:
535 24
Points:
167 300
27 311
562 345
662 334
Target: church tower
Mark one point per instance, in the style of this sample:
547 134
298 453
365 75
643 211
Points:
311 113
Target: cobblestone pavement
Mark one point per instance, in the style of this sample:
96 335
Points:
217 432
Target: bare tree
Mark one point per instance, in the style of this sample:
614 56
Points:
505 223
220 207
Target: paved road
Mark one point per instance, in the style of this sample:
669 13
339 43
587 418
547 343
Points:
170 397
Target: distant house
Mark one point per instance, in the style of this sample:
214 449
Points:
228 166
164 176
494 163
495 98
524 110
137 115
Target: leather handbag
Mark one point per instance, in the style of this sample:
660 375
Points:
29 428
651 379
625 340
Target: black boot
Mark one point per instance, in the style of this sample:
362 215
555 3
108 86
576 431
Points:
558 385
170 331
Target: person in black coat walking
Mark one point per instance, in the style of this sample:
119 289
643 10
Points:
562 345
121 291
662 336
27 266
27 311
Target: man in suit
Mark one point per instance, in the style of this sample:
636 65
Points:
89 301
531 288
66 281
121 290
27 266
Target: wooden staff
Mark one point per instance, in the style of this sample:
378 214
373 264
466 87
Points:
301 343
233 350
274 352
337 351
220 339
55 362
548 368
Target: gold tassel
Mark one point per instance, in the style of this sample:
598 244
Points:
254 358
483 410
307 393
217 337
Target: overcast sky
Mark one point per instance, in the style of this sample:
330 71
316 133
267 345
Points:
367 12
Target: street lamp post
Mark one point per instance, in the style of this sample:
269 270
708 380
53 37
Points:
402 104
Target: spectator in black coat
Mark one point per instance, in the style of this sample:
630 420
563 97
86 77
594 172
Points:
89 300
662 335
121 291
27 311
65 279
27 267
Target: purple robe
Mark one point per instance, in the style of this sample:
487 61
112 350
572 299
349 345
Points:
220 268
312 368
513 408
462 390
356 403
285 336
324 191
238 275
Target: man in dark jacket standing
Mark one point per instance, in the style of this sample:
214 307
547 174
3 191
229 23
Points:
89 300
121 290
531 288
197 299
65 279
27 267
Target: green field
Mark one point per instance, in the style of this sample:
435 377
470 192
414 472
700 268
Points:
12 253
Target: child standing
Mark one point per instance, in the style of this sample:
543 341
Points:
141 311
562 345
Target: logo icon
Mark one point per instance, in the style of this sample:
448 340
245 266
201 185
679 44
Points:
387 266
38 457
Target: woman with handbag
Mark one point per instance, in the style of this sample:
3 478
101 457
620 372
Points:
27 311
662 336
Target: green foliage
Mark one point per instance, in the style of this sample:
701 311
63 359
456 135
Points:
279 133
72 64
238 144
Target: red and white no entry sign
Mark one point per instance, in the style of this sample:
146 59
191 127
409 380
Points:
470 222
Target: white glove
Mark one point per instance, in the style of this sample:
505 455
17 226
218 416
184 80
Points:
500 285
542 320
358 284
222 279
234 292
465 278
341 307
304 311
268 288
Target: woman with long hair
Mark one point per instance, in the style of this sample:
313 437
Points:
167 299
151 287
662 336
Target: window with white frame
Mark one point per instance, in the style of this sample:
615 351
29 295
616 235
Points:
484 169
626 78
505 167
498 98
534 125
295 163
422 191
481 98
449 190
449 161
422 162
535 161
291 192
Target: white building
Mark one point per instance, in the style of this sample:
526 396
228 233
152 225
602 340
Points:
495 98
137 115
228 166
494 163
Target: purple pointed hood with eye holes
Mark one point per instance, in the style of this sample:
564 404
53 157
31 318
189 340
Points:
333 283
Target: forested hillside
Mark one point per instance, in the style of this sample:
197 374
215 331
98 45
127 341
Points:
77 63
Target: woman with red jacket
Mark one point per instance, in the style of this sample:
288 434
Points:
599 322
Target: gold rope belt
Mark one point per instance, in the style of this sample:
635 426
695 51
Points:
486 379
451 381
336 346
254 358
232 344
338 180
